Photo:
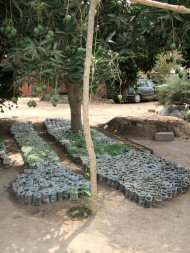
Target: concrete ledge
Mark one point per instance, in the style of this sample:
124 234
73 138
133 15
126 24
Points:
164 136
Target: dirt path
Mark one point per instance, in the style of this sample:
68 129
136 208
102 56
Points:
176 151
120 226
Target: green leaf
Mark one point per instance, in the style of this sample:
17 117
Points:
88 193
178 17
75 212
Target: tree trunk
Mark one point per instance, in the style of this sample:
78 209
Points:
177 8
86 78
74 94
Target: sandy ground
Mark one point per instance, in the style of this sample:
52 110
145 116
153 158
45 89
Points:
120 226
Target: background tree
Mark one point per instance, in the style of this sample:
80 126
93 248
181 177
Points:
140 34
165 63
46 43
7 89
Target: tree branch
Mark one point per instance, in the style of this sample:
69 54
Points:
176 8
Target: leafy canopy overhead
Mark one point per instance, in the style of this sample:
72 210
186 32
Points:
45 41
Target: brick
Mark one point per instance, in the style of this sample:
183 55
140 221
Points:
151 110
164 136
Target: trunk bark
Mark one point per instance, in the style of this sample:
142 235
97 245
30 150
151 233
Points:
177 8
74 94
86 78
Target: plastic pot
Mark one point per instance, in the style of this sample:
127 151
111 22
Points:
184 186
109 181
59 195
174 192
148 201
99 178
28 198
74 196
132 193
115 184
169 195
136 197
45 199
179 190
163 195
127 190
157 201
66 195
122 186
141 198
53 197
37 200
104 179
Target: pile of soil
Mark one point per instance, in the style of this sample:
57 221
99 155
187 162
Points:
146 128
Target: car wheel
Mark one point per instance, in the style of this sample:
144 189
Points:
137 98
116 100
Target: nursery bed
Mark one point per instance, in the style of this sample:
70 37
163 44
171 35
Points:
45 179
144 178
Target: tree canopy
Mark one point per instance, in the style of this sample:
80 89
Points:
141 33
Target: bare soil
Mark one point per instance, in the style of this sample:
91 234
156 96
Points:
120 226
138 127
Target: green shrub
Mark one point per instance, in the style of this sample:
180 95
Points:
80 212
177 91
2 145
188 115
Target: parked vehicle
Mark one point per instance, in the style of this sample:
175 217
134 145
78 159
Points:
145 90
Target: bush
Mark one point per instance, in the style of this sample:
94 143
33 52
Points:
188 115
177 91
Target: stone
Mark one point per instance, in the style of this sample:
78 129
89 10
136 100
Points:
151 110
179 111
164 136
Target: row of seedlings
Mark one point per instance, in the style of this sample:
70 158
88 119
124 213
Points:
147 179
75 143
45 179
35 150
4 159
